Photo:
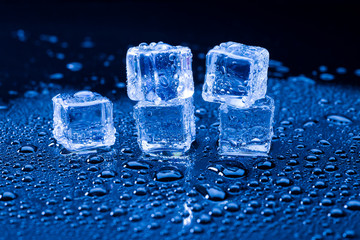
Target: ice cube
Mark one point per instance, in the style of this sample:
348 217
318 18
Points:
159 72
83 120
246 131
236 74
166 127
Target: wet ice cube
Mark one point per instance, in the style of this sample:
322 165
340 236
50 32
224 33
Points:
83 120
236 74
246 131
165 127
159 72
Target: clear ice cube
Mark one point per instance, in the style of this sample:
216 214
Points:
159 72
236 74
246 131
166 127
83 120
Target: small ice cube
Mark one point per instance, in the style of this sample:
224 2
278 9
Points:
236 74
165 127
83 120
246 131
159 72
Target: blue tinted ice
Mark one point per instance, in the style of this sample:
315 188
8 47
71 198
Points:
83 120
159 72
236 74
165 127
246 131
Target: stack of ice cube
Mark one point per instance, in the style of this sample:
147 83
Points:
160 77
236 77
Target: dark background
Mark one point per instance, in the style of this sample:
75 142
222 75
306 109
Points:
302 34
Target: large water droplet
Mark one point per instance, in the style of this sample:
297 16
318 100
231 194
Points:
7 196
353 205
338 120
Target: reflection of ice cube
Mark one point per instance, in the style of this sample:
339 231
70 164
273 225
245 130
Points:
83 120
159 72
165 127
246 131
236 74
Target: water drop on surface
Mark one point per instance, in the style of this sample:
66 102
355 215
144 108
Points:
136 165
27 149
7 196
74 66
96 191
168 174
338 120
212 193
95 159
229 170
353 205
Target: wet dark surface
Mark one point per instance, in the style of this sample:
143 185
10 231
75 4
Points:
308 187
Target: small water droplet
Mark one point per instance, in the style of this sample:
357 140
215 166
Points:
96 191
74 66
212 193
27 149
136 165
168 174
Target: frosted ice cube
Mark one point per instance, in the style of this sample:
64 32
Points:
166 127
236 74
246 131
159 72
83 120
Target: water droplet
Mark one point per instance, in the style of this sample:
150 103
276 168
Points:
338 120
95 159
353 205
212 193
27 149
96 191
56 76
265 165
74 66
107 174
327 77
168 174
336 213
229 170
136 165
7 196
284 182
